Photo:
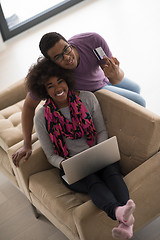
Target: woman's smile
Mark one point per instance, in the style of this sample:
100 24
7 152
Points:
60 94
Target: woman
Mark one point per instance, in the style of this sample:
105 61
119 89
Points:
70 122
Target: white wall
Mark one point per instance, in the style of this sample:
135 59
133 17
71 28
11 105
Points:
131 28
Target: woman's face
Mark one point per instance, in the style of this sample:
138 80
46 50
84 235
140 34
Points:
57 89
64 55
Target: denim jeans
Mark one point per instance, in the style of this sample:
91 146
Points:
105 187
128 89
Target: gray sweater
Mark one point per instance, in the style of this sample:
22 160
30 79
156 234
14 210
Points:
74 146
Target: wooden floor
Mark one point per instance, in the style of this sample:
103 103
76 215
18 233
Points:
17 221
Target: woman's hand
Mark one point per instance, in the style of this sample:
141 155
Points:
61 165
22 152
112 71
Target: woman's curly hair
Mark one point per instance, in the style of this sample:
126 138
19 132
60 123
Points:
40 73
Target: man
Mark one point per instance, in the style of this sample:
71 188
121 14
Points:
91 74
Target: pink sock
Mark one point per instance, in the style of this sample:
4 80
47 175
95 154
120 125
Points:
122 231
124 214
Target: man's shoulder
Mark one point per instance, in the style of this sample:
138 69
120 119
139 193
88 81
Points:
84 36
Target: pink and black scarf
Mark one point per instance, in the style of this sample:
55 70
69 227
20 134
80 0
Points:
60 128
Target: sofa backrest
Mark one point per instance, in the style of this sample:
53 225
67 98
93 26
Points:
137 129
13 94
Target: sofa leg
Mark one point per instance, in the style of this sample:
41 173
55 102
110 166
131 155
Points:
35 211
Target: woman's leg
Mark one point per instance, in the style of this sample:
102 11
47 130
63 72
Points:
125 228
128 89
104 199
113 179
124 214
122 231
79 186
100 194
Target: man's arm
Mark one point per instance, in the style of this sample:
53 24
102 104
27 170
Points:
112 70
111 66
28 112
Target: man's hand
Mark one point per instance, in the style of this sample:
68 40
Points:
111 70
22 152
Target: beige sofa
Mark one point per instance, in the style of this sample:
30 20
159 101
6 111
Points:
138 133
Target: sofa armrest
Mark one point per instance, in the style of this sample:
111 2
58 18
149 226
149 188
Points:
93 223
144 187
137 129
12 94
37 162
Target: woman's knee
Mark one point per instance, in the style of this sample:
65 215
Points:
113 169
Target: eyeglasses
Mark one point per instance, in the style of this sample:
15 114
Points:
59 58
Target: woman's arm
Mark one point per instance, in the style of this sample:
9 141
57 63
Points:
45 140
94 109
99 122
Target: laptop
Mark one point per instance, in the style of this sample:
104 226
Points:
91 160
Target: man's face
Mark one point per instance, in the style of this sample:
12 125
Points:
64 55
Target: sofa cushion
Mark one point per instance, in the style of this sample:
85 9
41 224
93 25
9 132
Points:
10 126
48 188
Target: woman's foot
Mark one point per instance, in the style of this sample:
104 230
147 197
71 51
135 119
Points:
122 231
124 214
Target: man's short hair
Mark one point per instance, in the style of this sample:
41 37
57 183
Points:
48 41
